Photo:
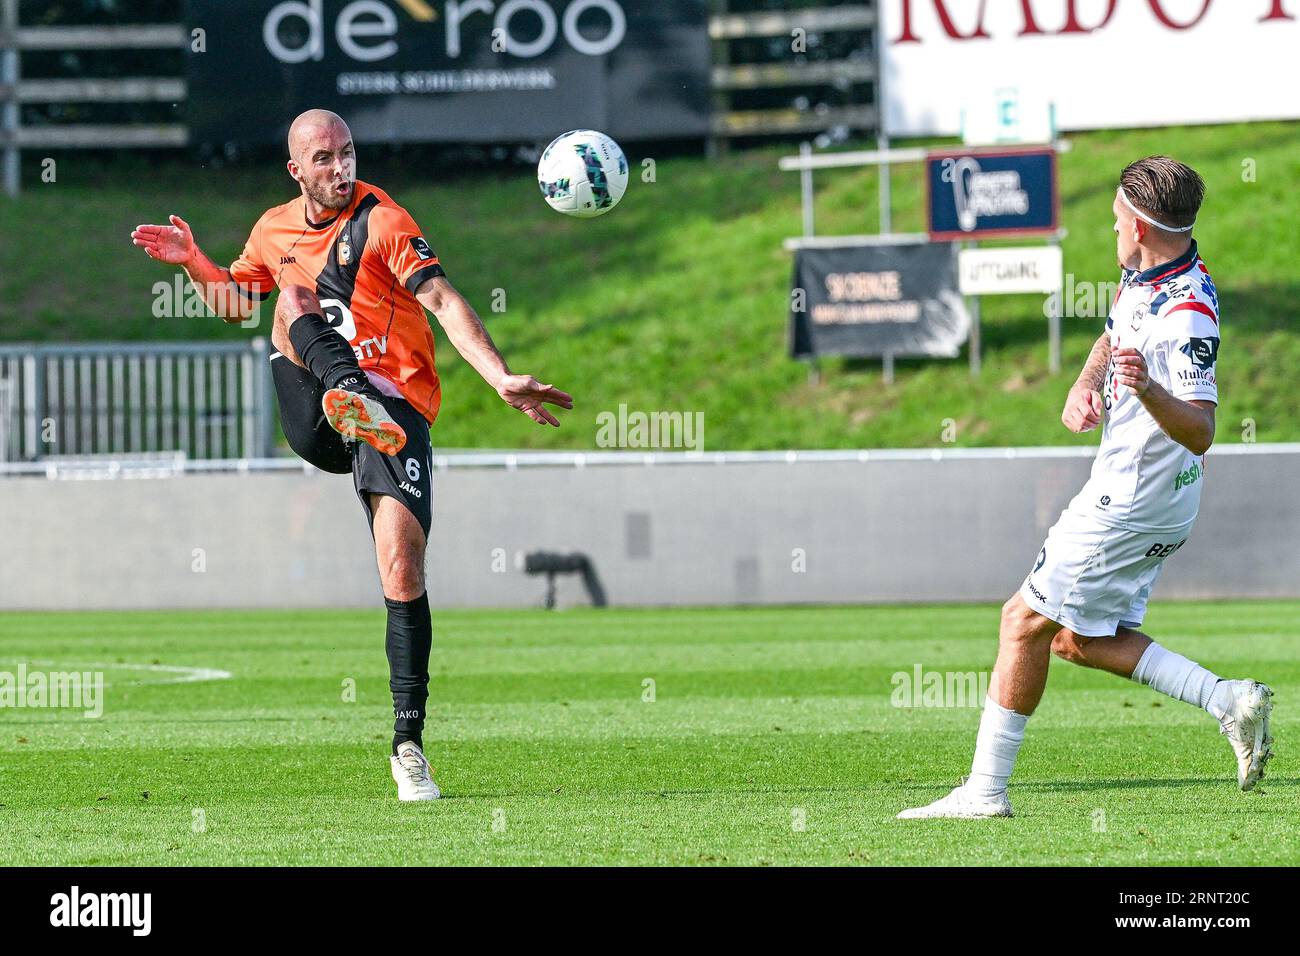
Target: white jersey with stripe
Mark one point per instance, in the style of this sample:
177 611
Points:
1142 479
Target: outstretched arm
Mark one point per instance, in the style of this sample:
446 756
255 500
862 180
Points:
1083 406
466 332
175 245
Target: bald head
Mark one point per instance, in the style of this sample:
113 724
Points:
313 125
322 158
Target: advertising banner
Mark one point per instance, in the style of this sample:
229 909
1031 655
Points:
455 71
945 56
972 194
877 300
1009 270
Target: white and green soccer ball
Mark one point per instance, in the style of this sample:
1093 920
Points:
583 173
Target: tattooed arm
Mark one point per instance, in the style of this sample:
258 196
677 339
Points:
1083 406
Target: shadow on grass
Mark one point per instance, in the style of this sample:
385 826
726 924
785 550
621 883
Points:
754 791
1168 783
1103 784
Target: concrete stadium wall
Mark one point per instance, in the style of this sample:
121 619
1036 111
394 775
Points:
959 529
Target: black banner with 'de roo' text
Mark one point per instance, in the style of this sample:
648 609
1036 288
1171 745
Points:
439 71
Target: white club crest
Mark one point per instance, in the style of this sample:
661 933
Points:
1139 313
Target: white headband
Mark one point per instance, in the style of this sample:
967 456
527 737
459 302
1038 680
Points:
1145 218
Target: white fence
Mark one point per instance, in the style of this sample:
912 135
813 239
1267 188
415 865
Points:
200 400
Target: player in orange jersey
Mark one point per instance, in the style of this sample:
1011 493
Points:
354 371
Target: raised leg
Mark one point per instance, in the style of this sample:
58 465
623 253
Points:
294 301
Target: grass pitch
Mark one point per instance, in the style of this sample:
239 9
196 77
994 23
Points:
770 739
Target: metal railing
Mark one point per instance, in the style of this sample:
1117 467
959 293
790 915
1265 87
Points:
731 77
201 400
884 158
14 90
155 466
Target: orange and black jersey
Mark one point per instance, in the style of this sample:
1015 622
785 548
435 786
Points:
365 265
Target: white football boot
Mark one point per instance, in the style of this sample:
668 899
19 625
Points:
1246 727
413 774
961 804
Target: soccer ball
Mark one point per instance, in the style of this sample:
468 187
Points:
583 173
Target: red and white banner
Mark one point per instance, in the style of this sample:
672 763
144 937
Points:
1103 63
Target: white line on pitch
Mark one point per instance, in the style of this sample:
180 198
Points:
184 675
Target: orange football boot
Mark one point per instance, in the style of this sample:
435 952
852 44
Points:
358 417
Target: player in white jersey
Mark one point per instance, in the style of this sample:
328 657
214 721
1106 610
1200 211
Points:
1151 378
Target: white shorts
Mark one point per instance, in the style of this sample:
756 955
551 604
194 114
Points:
1092 578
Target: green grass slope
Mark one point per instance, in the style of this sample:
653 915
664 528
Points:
771 739
677 300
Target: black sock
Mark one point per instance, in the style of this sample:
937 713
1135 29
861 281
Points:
399 739
328 355
410 636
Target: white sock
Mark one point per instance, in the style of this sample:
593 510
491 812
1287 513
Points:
1172 674
996 746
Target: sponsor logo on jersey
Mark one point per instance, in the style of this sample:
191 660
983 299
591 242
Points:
1042 558
1188 477
345 251
1162 551
1196 376
287 260
369 348
1202 351
1034 591
1169 295
421 248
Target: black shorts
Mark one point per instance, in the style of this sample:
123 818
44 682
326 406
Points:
406 476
